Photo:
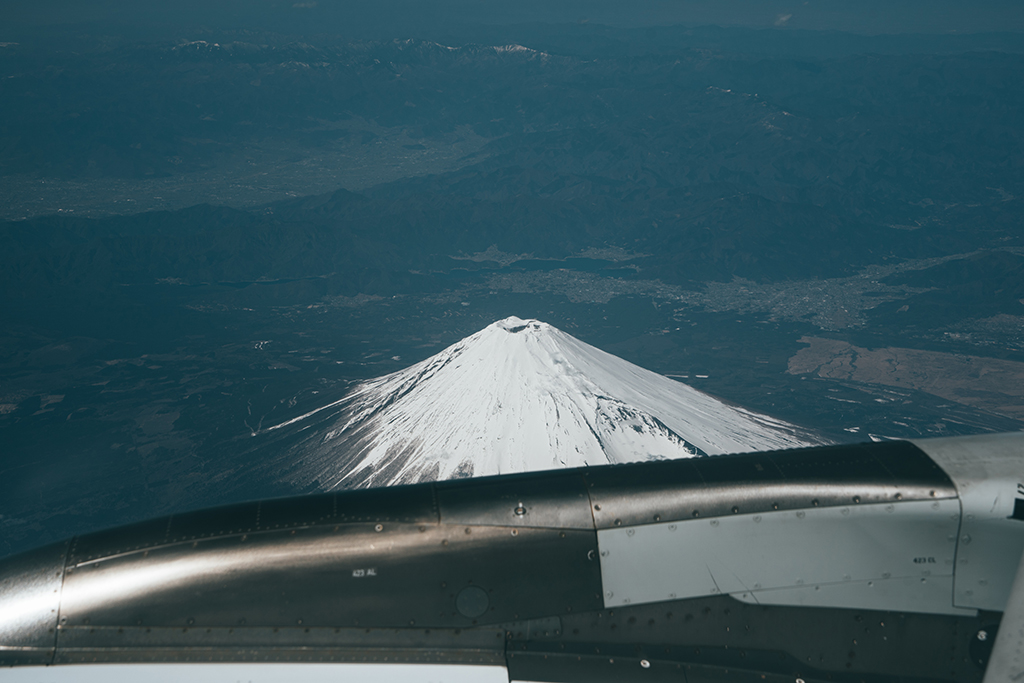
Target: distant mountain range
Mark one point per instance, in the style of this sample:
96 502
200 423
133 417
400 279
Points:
181 267
717 162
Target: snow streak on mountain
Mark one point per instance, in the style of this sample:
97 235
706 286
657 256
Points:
521 395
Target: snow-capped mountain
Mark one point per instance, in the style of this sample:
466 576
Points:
521 395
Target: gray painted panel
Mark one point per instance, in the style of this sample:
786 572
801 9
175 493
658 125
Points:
906 594
787 549
1006 664
988 471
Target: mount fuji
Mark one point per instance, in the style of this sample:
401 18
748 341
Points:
521 395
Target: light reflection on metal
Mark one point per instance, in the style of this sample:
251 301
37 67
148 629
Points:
22 612
443 573
30 593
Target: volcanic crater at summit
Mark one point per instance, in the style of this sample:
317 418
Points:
521 395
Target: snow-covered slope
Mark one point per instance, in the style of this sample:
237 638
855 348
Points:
521 395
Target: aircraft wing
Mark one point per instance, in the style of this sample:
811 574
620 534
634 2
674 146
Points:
882 562
1006 663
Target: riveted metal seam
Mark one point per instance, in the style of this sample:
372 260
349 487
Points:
60 598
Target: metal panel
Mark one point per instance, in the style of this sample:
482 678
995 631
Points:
137 644
837 644
288 513
547 499
412 504
613 665
989 474
30 587
119 540
831 476
652 664
81 638
905 594
1006 664
388 574
187 526
347 575
406 504
224 521
746 553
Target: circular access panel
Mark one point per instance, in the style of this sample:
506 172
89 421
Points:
472 601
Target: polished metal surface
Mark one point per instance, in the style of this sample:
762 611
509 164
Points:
480 646
508 570
371 575
538 499
830 476
413 504
30 592
718 638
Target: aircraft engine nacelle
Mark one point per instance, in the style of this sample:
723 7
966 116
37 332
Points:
842 562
